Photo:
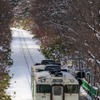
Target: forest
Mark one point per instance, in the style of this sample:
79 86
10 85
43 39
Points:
69 28
63 27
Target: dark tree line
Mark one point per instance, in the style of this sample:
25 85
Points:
6 15
75 22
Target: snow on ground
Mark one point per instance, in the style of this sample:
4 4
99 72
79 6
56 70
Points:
20 83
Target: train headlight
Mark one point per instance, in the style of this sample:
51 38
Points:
43 80
72 80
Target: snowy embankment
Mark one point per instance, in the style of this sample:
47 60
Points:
24 54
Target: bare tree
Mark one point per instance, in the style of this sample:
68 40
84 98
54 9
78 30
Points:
74 21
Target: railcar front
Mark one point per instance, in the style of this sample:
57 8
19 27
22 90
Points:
49 87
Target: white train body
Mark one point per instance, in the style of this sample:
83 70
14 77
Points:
47 86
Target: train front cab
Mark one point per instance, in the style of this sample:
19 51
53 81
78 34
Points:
57 92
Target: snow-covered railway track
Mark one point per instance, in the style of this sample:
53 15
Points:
26 52
25 45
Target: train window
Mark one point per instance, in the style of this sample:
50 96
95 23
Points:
57 90
71 89
43 88
48 62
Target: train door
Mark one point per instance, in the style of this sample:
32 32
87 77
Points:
57 93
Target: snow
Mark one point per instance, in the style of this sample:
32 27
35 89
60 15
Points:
43 74
20 88
98 36
0 48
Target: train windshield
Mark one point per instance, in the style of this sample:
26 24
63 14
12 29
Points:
43 88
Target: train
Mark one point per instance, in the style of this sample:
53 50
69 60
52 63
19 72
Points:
51 82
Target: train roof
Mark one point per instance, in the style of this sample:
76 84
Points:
47 74
67 77
43 72
45 67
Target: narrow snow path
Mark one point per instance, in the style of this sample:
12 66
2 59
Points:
24 54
